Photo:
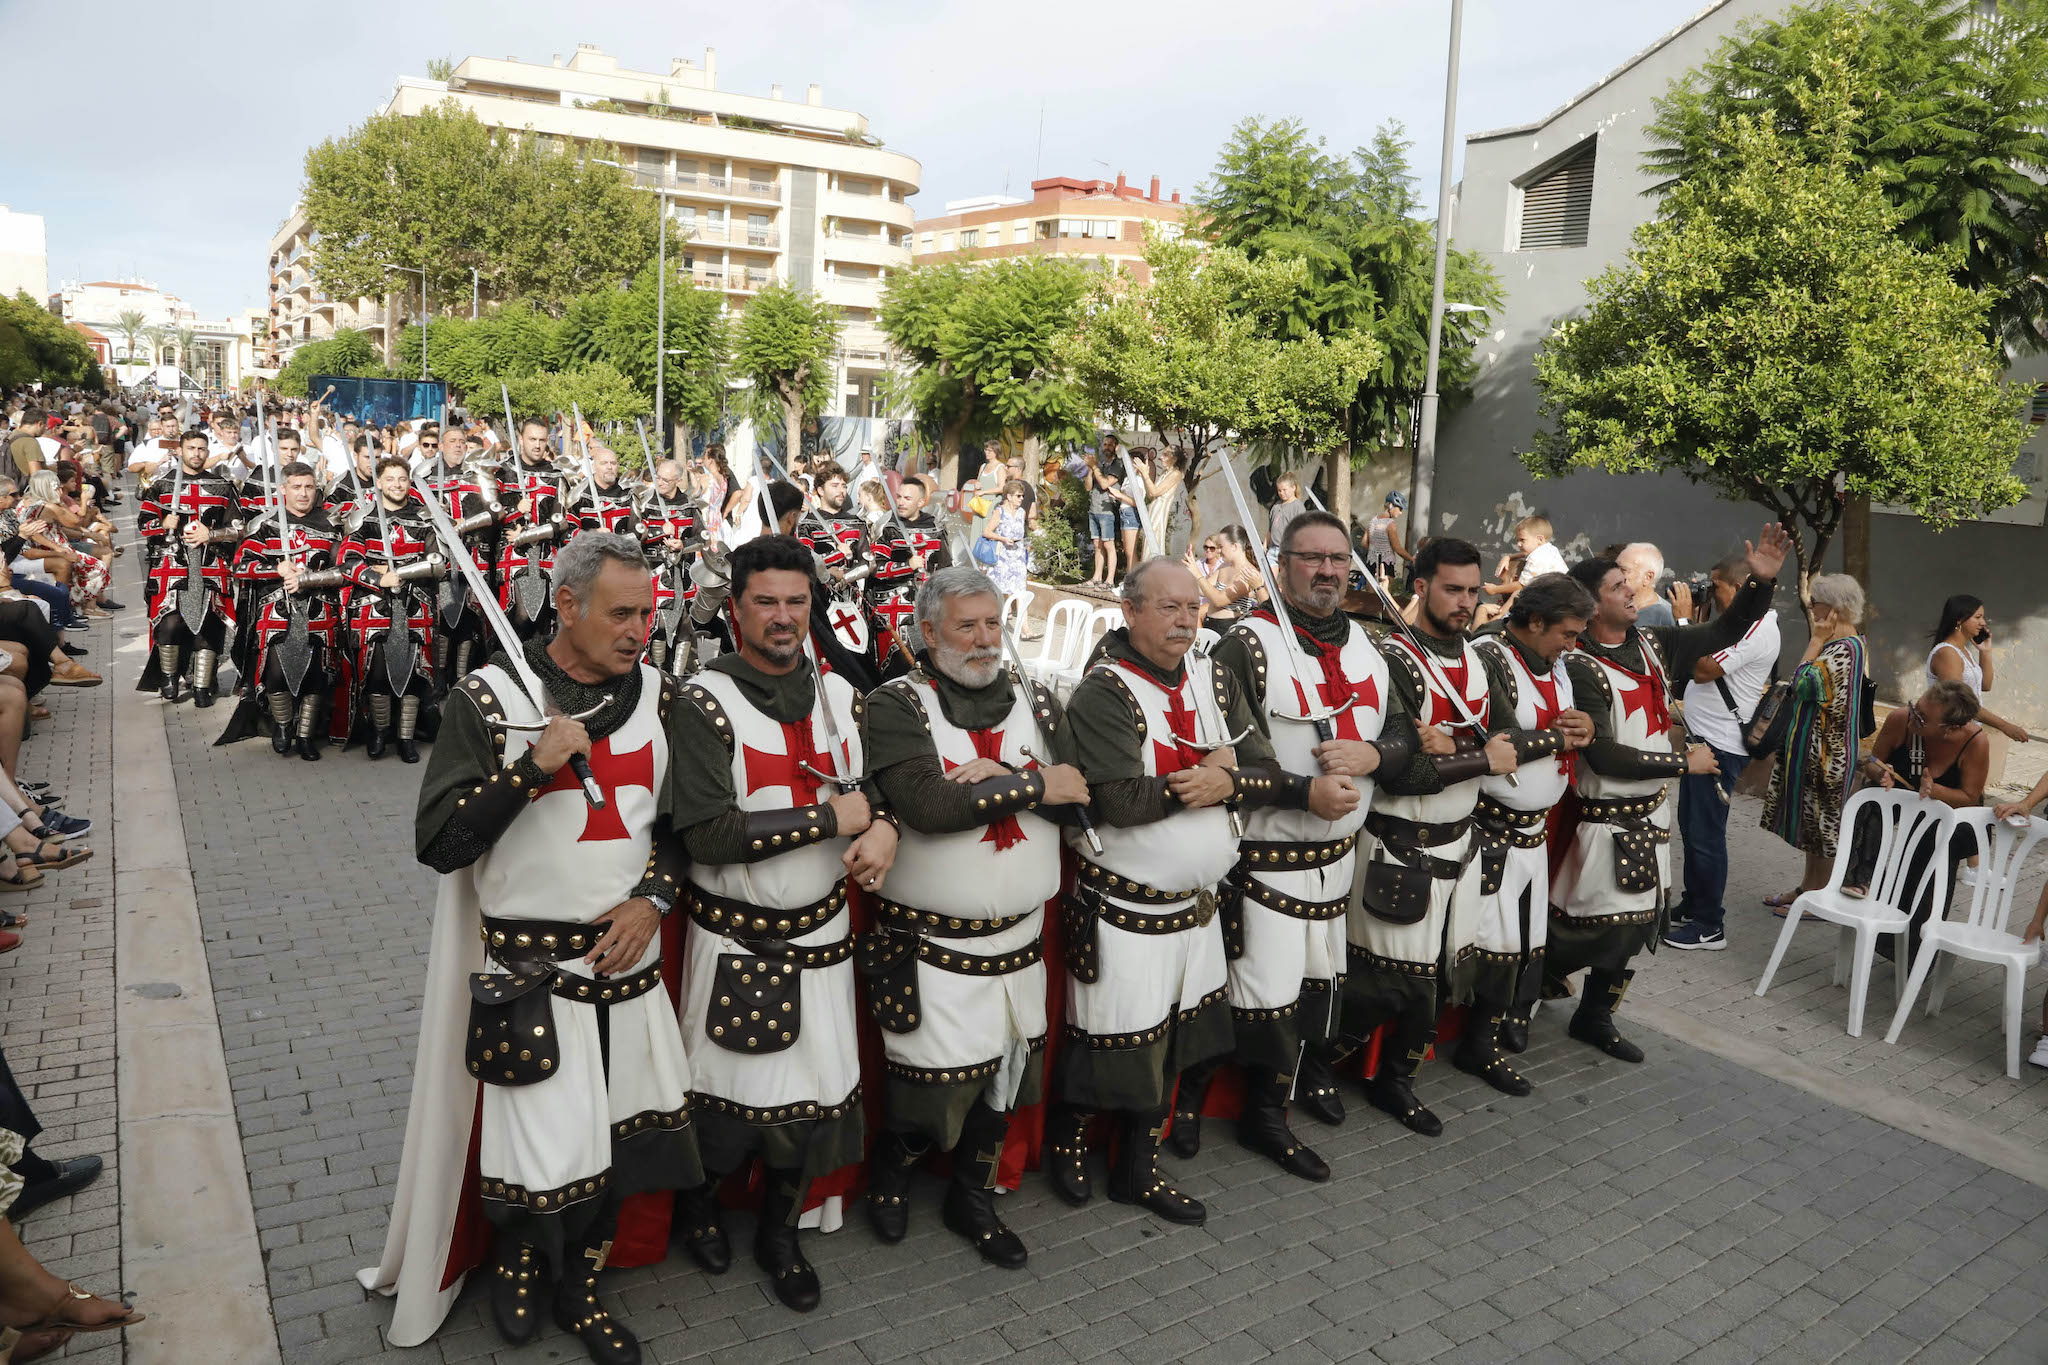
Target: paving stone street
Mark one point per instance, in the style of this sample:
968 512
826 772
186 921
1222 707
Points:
1696 1207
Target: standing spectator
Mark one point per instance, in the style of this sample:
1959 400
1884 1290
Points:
1104 474
1235 586
1384 552
1720 701
1833 709
1288 488
1962 653
1013 473
1160 472
1644 565
1008 527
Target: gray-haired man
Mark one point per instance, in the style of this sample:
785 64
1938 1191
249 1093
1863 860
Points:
956 979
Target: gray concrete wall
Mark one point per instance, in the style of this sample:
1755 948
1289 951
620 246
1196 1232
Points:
1482 488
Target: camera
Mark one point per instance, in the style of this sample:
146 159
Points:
1700 585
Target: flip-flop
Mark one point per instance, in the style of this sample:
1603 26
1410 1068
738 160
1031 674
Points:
56 1322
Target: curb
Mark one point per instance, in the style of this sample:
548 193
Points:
189 1247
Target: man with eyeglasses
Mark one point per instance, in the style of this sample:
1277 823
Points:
1284 905
1169 743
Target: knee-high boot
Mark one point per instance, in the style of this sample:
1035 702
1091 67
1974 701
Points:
1185 1137
515 1289
970 1199
280 704
1392 1091
1134 1177
1262 1127
1066 1153
408 726
891 1164
1593 1021
1479 1052
703 1227
776 1249
579 1313
380 721
309 715
170 658
1315 1085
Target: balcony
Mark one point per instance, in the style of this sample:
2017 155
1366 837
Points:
876 250
730 234
713 186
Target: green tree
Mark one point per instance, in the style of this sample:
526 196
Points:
443 193
783 347
1369 265
131 324
1950 117
1772 337
37 347
347 352
1199 353
156 335
599 391
697 336
984 344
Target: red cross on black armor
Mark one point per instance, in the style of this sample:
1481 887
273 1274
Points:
613 772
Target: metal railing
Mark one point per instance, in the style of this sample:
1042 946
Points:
706 184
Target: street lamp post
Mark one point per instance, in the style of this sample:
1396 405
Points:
472 293
1425 444
423 310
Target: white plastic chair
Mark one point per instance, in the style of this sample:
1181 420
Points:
1015 616
1063 626
1101 620
1982 936
1906 822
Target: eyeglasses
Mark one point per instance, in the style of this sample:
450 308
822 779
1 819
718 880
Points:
1317 561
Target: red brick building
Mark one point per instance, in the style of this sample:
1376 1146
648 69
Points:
1085 219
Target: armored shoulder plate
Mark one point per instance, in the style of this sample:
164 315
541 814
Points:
714 711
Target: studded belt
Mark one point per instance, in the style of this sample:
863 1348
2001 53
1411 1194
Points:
607 991
1394 830
1501 826
1137 922
1625 810
1126 888
528 940
724 915
900 916
1290 856
791 956
1291 906
967 964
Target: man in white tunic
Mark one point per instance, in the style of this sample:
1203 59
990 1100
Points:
956 980
1167 743
1510 824
774 818
544 987
1283 913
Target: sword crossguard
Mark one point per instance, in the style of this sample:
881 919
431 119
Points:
602 702
1211 748
845 784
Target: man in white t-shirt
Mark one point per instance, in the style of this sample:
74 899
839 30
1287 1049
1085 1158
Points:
1720 701
146 456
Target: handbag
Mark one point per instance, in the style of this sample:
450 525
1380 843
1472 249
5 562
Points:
1764 732
985 552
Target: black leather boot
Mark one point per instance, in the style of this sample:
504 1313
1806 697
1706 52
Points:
1262 1127
579 1313
408 726
170 658
1315 1086
204 664
1134 1176
380 721
702 1228
515 1289
1066 1153
1185 1138
309 714
1514 1028
280 704
1479 1052
890 1165
776 1249
1392 1091
970 1208
1593 1021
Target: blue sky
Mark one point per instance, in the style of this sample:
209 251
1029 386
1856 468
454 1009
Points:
167 142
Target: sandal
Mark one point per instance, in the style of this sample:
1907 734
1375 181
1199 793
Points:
1782 901
57 1322
67 855
24 879
10 919
38 710
82 678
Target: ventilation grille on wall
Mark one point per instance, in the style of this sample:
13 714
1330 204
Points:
1557 204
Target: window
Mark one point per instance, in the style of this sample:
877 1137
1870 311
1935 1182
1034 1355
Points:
924 241
970 237
847 186
945 241
1557 201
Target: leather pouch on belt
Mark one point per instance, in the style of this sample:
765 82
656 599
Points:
1493 866
1635 860
755 1004
1230 900
512 1038
1077 936
1396 894
889 962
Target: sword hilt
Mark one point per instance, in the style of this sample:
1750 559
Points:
592 793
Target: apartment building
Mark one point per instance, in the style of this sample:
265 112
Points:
298 311
763 188
1090 220
133 324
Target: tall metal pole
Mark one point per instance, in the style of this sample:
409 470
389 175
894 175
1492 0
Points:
660 323
472 293
1425 445
426 316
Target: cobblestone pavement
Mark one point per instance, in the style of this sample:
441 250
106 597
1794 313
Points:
57 1024
1953 1063
1687 1208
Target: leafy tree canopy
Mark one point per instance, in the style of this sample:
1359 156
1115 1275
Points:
782 346
36 346
347 352
1950 118
1773 337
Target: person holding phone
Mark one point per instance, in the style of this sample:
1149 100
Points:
1962 653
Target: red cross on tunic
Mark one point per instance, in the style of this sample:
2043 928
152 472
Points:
787 769
891 611
1548 709
1645 695
1003 831
613 772
1180 722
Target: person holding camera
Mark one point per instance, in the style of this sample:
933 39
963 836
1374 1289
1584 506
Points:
1962 653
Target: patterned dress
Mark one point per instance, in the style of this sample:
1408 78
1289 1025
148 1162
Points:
1811 781
1011 560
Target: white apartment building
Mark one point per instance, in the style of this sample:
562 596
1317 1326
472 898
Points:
220 351
24 254
763 188
298 311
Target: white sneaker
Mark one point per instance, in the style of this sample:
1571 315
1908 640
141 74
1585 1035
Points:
2040 1055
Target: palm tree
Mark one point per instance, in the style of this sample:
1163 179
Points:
186 337
156 334
130 325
